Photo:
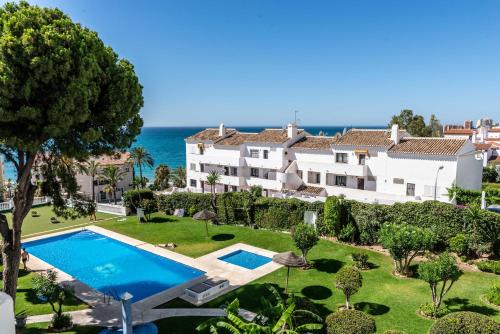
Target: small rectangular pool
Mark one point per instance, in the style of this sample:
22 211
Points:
245 259
111 266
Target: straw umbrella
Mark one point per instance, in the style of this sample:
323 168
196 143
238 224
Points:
206 216
288 259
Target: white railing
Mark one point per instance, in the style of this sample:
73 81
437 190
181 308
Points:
111 209
7 206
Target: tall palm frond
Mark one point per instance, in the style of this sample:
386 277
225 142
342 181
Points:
140 157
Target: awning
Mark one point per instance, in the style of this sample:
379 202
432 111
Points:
361 151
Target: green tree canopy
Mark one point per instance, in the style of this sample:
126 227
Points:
63 95
305 238
415 124
404 242
348 280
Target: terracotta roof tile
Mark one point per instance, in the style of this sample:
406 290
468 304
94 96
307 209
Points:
235 139
315 143
429 146
459 132
482 146
310 190
115 159
209 134
357 137
494 130
270 136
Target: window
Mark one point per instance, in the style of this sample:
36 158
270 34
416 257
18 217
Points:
314 177
192 166
202 167
330 179
234 171
299 173
226 188
102 195
192 183
341 158
254 153
362 159
398 181
127 170
340 180
266 154
254 172
234 188
226 170
410 189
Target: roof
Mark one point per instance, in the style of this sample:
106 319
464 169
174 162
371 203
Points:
114 159
459 132
315 143
429 146
356 137
209 134
235 139
310 190
494 130
483 146
270 136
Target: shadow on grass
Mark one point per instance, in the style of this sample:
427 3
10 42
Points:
372 308
223 237
157 220
317 292
329 266
23 272
463 304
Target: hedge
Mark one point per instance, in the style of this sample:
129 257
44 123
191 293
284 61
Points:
132 197
349 322
489 266
236 208
191 202
465 323
466 197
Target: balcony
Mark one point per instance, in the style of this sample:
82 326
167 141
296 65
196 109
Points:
264 183
212 159
262 163
348 169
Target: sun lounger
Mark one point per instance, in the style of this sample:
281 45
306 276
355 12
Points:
201 291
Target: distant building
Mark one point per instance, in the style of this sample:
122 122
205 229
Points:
486 137
121 160
384 166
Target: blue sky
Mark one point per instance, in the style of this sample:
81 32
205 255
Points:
337 62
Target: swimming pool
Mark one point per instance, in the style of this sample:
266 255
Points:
111 266
245 259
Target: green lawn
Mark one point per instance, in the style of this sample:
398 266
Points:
390 300
32 225
26 300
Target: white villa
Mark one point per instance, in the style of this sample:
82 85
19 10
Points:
121 160
384 166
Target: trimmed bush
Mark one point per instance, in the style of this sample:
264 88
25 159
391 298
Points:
132 197
360 260
350 322
465 323
467 197
305 238
493 295
460 244
335 216
348 280
61 321
489 266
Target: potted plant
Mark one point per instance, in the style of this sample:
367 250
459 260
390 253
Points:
21 317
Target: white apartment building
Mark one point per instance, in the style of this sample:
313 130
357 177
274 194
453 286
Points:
121 160
384 166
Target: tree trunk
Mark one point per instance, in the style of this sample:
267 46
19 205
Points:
140 176
93 190
114 195
23 200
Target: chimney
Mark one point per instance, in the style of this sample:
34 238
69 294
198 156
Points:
292 130
222 130
395 133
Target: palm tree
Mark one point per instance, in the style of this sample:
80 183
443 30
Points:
162 176
179 176
112 175
91 168
141 157
212 179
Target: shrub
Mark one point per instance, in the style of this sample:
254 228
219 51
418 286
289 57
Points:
62 321
489 266
430 311
404 242
368 218
440 273
348 280
132 197
235 208
149 206
465 323
305 237
493 294
349 322
460 244
335 216
360 260
466 197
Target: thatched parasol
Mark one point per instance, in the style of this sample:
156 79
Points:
289 259
206 216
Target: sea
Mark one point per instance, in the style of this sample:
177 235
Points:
167 146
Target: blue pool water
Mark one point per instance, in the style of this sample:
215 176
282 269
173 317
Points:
111 266
245 259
